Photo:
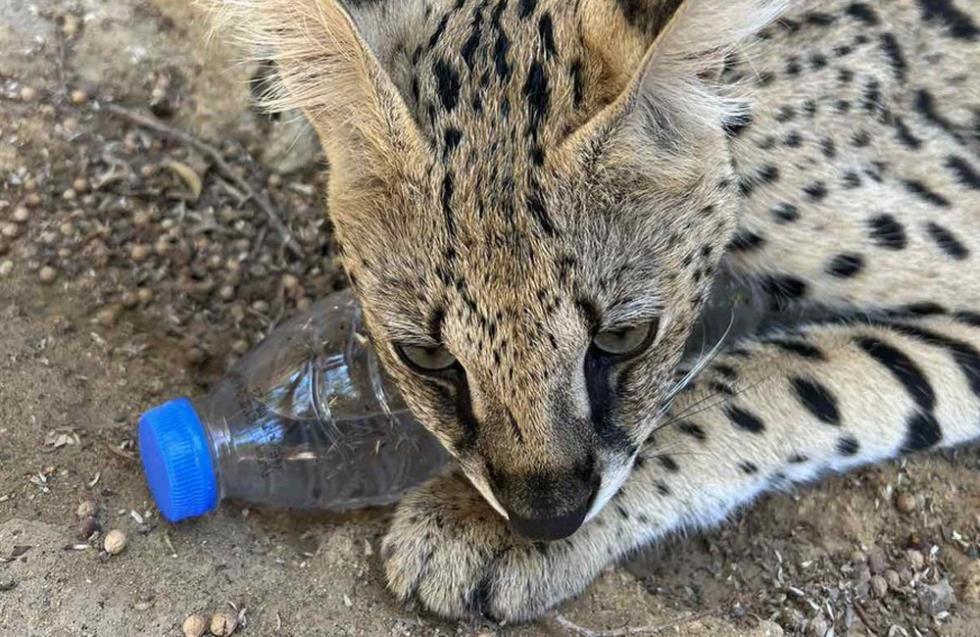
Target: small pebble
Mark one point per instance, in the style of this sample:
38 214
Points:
80 185
129 299
894 581
877 560
6 267
48 274
20 214
223 624
115 542
879 586
86 527
905 502
290 281
916 560
70 26
109 316
87 509
67 229
145 295
817 628
226 293
78 96
28 93
194 626
10 230
239 346
971 583
936 598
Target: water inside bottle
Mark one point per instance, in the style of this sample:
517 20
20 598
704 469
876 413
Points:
318 421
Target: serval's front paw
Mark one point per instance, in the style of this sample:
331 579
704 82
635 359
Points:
449 552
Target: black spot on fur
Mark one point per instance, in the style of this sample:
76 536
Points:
648 17
528 7
947 241
690 429
500 50
958 24
905 135
860 139
848 446
896 59
845 265
578 83
966 356
793 140
746 241
968 318
871 97
817 399
440 29
784 289
662 488
851 180
472 43
451 138
923 192
537 93
965 173
447 84
748 468
797 458
447 198
828 148
816 191
744 419
922 433
819 19
785 114
902 368
887 232
536 206
726 371
735 126
863 12
785 213
925 104
546 31
668 463
799 348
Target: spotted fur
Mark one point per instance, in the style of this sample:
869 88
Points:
509 177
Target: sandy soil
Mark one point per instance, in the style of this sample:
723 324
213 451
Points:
126 287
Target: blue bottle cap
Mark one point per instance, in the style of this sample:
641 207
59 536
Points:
177 461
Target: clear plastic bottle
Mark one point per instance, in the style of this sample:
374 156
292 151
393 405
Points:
306 420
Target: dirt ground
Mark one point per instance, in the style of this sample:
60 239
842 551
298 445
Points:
134 267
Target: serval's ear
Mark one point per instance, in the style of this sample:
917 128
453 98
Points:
326 68
665 56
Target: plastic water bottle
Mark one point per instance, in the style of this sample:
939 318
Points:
306 420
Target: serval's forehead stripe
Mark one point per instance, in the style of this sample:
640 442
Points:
494 87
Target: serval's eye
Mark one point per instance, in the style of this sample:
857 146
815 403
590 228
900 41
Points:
627 341
426 360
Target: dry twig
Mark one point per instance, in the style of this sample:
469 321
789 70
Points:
215 155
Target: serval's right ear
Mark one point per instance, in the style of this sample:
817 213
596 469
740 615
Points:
326 68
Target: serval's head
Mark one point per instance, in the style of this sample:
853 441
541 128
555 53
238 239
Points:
532 198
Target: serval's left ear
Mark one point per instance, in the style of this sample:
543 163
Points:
326 68
661 60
